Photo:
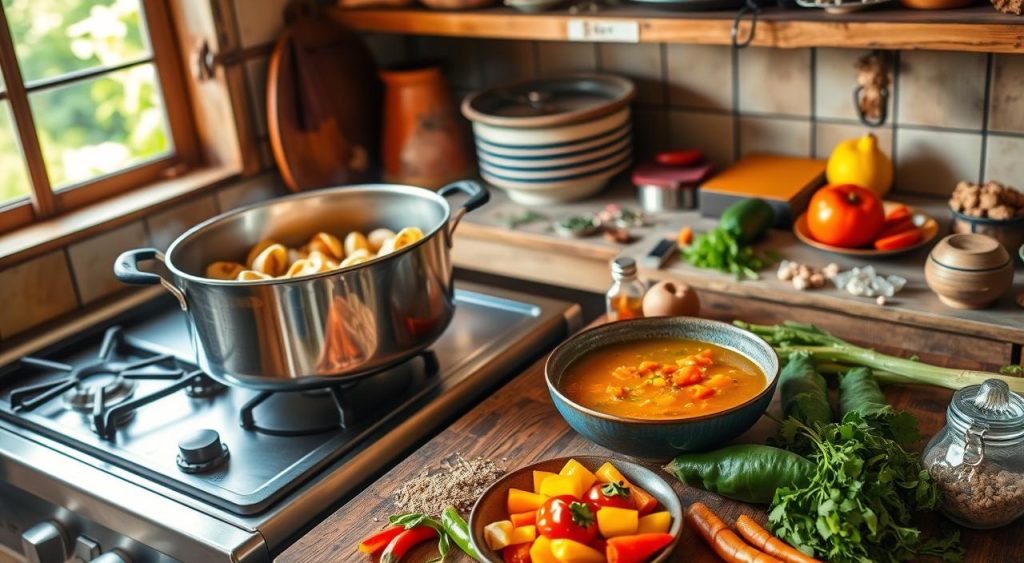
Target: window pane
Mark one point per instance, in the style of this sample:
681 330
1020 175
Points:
97 126
13 174
55 37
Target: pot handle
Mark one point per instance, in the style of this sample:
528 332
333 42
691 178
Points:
126 269
478 195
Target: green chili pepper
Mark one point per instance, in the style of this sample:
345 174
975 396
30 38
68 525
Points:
860 393
458 531
748 472
804 392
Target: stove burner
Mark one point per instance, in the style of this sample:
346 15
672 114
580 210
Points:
323 410
103 389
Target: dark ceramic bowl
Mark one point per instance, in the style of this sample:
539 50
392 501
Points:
490 507
664 438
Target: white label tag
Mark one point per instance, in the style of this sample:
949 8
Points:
617 31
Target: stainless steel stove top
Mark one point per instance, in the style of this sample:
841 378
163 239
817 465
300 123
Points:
114 436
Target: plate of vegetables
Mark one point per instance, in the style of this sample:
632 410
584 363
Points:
586 509
851 220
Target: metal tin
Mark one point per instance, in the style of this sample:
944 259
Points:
321 329
656 199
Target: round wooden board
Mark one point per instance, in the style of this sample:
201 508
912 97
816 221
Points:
929 230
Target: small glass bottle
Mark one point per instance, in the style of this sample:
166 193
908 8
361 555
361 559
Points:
977 459
625 298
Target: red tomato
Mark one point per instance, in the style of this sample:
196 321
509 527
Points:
847 216
616 495
564 517
518 553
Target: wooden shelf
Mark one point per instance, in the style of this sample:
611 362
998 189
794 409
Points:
980 29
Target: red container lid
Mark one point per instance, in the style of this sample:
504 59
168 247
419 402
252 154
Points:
654 174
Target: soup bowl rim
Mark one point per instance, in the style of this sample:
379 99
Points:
769 387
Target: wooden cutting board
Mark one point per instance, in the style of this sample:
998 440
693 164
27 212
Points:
323 105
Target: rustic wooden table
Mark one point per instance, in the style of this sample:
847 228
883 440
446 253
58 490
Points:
518 425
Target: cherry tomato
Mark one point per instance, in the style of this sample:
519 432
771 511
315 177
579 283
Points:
848 216
518 553
564 517
615 495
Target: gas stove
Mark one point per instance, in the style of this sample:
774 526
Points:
113 444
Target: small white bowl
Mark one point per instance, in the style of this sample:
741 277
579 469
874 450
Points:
537 163
558 173
549 137
556 191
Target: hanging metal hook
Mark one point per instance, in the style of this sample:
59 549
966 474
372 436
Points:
871 95
750 7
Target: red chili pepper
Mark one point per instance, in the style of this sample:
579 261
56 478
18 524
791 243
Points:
377 542
405 541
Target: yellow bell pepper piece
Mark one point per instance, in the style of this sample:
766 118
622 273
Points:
540 551
539 477
558 485
523 501
523 534
568 551
576 469
614 521
655 523
498 535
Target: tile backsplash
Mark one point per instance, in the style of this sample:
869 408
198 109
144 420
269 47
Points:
951 116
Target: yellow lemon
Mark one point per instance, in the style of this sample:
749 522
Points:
860 161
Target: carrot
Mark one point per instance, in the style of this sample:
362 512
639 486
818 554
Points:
897 241
897 227
724 541
897 213
766 542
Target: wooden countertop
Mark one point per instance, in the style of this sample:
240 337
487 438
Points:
519 425
916 305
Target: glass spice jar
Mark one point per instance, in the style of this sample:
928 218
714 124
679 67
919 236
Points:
977 459
625 298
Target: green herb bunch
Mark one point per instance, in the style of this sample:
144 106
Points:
720 249
861 500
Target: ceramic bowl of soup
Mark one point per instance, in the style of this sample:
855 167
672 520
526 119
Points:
653 388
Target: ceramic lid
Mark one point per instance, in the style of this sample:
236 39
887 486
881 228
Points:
971 252
550 101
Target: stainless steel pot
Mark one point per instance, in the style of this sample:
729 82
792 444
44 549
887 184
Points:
322 329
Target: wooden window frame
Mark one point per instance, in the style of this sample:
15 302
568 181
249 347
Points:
43 201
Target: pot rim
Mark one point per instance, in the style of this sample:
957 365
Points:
405 189
769 388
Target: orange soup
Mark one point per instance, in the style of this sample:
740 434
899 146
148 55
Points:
662 378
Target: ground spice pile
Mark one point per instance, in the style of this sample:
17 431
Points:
457 482
985 495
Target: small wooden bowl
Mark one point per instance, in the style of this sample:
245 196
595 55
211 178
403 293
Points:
969 271
491 505
1009 232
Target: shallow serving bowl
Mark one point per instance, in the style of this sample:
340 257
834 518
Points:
664 438
490 507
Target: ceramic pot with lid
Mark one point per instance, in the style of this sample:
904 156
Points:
969 271
977 459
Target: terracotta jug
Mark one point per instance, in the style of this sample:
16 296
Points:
424 143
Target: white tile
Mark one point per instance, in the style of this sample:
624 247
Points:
34 292
1006 99
650 132
932 162
92 260
387 49
776 81
827 135
642 63
1004 160
461 62
256 71
555 57
166 226
940 89
771 135
834 81
505 61
710 132
250 190
700 76
259 22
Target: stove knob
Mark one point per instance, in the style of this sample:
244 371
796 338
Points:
200 451
115 556
44 543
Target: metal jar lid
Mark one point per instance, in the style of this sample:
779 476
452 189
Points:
990 410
